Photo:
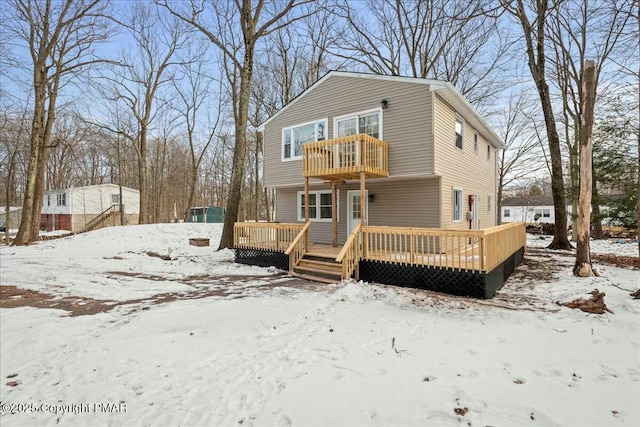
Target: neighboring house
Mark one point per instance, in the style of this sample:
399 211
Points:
530 209
442 159
384 178
12 220
85 208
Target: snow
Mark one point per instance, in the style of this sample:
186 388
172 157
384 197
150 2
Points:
270 352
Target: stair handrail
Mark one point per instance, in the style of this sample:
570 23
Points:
349 256
111 209
298 246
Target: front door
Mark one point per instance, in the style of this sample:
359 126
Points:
355 208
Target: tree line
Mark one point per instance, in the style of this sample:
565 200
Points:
166 96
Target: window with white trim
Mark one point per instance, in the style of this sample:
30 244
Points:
115 199
368 122
507 213
543 212
319 205
48 199
459 132
457 204
488 152
475 142
293 138
61 199
488 204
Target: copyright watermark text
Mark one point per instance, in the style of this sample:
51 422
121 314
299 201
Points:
63 408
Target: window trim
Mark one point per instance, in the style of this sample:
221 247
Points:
356 116
460 120
488 203
506 212
476 141
117 195
293 157
453 204
318 205
61 199
489 152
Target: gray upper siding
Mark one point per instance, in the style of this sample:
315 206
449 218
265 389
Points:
406 124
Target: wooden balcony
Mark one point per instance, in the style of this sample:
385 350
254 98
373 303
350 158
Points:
345 158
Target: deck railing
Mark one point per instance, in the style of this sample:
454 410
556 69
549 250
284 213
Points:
298 246
472 250
346 156
349 256
264 235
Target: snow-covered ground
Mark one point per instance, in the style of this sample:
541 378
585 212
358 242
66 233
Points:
242 345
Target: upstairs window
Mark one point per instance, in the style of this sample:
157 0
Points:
507 213
475 142
62 199
115 199
488 204
488 152
366 122
459 129
293 138
48 199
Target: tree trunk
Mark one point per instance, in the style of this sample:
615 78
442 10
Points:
582 267
560 239
596 215
239 151
143 217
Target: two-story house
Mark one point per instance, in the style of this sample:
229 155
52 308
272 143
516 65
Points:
368 164
80 209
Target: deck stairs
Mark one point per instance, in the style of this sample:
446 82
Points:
319 267
101 219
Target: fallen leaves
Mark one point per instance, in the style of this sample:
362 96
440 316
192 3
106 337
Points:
594 305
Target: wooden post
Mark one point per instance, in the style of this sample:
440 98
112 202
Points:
306 210
363 201
334 213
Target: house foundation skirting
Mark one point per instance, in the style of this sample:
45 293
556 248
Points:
450 281
262 258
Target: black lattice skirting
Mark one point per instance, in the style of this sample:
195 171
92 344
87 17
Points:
262 258
450 281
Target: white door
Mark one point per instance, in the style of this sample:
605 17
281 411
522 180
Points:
354 208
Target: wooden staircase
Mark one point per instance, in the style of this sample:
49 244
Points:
319 267
101 219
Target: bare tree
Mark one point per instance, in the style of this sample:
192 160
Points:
59 37
193 87
519 159
534 32
236 29
137 83
577 28
443 39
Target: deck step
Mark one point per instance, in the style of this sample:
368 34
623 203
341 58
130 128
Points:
332 265
334 276
314 278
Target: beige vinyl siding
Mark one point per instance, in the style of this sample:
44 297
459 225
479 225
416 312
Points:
399 203
465 169
406 123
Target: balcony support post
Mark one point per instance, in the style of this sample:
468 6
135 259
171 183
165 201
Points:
306 208
334 212
363 191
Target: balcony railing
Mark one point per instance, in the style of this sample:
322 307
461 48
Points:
346 157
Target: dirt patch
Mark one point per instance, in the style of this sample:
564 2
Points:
617 260
595 304
12 296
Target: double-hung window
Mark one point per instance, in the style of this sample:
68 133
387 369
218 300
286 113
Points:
293 138
61 199
459 126
507 213
368 122
457 204
319 205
